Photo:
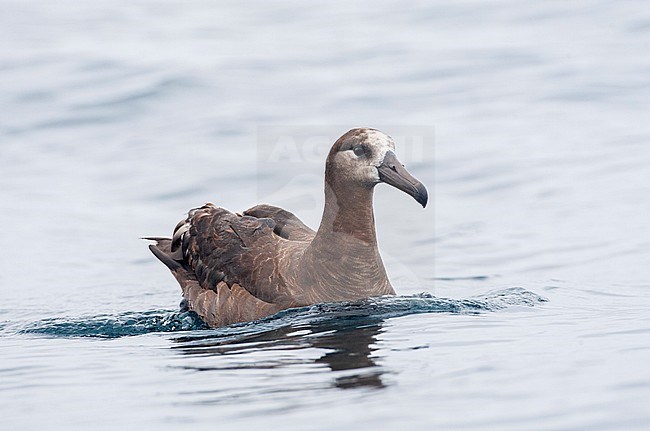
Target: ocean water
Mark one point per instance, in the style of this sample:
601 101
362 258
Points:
523 288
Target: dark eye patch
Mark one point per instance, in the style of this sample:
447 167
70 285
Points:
355 146
347 145
354 138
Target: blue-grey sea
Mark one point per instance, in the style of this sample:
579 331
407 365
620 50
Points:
523 288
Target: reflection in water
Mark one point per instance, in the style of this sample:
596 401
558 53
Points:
302 349
353 348
349 343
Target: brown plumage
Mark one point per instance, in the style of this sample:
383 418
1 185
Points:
236 268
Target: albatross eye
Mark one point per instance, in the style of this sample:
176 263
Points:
358 151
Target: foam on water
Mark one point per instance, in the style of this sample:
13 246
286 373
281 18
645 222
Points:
346 313
115 326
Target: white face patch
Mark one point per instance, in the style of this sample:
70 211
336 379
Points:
381 143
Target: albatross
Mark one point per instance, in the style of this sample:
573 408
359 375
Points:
241 267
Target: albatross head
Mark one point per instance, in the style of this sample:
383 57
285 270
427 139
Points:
366 157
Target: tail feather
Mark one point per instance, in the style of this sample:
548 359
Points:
162 250
155 238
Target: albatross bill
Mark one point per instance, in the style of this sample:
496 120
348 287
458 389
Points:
392 172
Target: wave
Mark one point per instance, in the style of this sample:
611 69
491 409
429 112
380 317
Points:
368 311
116 326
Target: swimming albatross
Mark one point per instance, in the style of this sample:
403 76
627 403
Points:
236 268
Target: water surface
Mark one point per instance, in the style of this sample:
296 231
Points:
524 287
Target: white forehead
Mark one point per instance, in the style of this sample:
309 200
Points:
379 139
381 142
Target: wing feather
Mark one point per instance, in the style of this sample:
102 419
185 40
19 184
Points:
218 306
227 264
220 246
287 225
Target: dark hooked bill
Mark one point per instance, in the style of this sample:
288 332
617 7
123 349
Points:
392 172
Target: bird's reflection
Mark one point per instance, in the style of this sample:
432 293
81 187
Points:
349 344
352 350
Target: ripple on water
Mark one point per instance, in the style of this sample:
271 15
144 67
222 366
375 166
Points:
352 314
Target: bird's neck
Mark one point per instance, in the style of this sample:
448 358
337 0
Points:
349 213
344 256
